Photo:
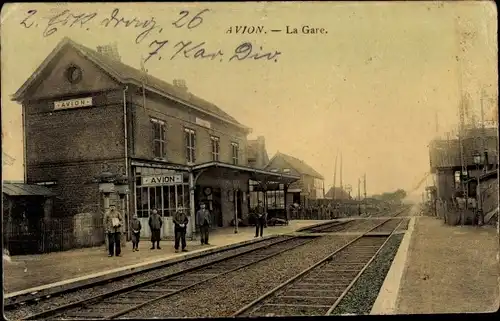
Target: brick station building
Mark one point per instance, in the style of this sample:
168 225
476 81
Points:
83 109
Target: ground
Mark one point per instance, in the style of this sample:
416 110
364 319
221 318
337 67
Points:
450 269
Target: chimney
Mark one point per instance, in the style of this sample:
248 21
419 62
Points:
110 50
181 84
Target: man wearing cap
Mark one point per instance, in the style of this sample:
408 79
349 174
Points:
135 225
180 223
155 223
203 219
260 218
113 223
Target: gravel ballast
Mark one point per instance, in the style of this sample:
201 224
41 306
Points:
360 298
56 301
224 295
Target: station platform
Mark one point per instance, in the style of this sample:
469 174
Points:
32 273
442 269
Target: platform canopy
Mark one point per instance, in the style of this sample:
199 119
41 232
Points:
262 179
21 189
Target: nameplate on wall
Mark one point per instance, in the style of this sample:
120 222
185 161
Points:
73 103
158 180
203 122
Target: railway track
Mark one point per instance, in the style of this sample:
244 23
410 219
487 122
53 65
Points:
117 302
319 289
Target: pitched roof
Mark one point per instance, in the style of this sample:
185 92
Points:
127 74
21 189
297 164
339 193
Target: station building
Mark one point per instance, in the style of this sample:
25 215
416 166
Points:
85 110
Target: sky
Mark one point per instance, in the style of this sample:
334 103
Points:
371 88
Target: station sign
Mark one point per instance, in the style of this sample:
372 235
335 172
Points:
73 103
203 123
162 180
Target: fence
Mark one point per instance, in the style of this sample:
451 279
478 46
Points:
54 234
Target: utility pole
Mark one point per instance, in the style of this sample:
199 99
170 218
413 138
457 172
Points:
341 183
335 177
364 191
359 196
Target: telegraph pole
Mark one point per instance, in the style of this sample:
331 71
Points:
359 196
335 176
341 185
364 191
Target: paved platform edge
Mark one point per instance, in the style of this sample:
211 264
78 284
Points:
314 225
77 282
388 295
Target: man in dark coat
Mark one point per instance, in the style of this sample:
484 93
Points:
203 221
180 224
113 224
260 217
155 223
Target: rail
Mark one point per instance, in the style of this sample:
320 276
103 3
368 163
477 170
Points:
147 286
260 302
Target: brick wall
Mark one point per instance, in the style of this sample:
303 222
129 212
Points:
177 118
76 193
74 135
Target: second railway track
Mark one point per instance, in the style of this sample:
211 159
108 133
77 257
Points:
320 288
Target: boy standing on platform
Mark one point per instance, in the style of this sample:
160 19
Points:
135 225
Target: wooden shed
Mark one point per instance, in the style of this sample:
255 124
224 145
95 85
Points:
24 209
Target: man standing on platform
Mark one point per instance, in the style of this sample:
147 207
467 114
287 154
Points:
113 221
203 218
259 219
155 223
180 223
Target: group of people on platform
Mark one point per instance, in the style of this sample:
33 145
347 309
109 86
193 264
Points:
114 222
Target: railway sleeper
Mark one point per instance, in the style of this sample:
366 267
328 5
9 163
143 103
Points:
303 300
315 292
288 310
311 287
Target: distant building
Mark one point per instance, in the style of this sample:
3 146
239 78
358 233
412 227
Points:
340 194
311 183
445 159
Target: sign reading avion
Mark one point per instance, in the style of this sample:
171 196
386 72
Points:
162 179
73 103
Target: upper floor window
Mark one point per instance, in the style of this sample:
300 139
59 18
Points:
234 153
190 138
215 148
159 138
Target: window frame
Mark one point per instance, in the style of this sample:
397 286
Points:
235 153
215 148
190 145
162 140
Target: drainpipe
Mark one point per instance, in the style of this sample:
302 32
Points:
125 136
25 165
192 208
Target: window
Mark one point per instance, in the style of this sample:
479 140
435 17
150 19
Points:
159 138
234 148
190 138
286 170
215 148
